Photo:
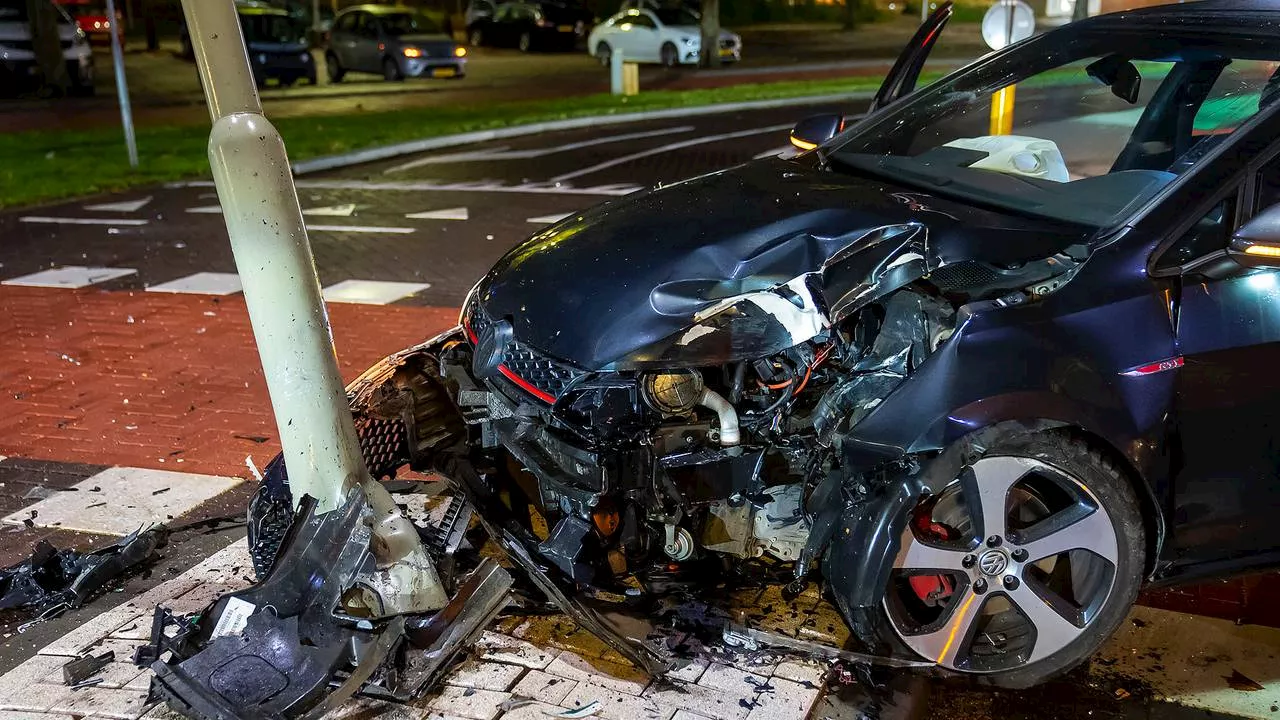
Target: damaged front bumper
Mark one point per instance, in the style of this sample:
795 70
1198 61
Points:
288 648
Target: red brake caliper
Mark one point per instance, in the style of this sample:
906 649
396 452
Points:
932 590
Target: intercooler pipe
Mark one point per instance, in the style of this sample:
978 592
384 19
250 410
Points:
729 433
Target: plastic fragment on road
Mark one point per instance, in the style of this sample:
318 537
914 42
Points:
55 580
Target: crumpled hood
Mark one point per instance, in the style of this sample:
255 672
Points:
783 245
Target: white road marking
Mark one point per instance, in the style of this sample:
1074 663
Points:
506 154
548 219
332 210
71 277
206 209
458 213
361 229
371 292
80 221
423 186
665 149
202 283
126 499
126 206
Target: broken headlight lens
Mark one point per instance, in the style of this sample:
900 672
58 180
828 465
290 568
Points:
672 393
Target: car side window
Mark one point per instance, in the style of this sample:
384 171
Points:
346 23
1268 187
1211 233
644 21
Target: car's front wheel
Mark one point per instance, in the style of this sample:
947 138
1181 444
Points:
391 70
670 56
334 67
526 42
604 53
477 37
1022 567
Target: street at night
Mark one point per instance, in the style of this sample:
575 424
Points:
770 392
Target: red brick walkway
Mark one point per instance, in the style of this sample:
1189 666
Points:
159 380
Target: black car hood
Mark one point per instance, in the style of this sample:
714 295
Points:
737 264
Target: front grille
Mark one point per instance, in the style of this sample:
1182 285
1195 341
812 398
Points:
548 375
382 442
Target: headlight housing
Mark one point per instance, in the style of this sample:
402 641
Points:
673 392
691 41
412 52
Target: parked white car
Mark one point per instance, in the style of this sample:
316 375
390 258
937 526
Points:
17 53
670 36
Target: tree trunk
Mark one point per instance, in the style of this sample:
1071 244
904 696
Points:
1081 10
47 45
710 33
850 14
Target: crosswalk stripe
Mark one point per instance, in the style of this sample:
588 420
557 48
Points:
43 219
202 283
332 210
361 229
548 219
371 292
70 277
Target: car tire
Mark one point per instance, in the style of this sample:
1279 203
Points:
334 68
525 43
604 53
476 37
1112 513
670 55
391 70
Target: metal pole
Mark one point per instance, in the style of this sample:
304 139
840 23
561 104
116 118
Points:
290 325
924 10
615 72
122 85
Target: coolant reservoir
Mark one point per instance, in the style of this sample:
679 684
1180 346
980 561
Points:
1017 155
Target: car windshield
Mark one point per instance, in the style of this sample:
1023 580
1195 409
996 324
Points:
677 16
271 28
397 24
1098 123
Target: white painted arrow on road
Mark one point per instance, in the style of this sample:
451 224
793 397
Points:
126 206
548 219
458 213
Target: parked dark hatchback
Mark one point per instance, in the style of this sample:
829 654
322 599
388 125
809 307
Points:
277 45
530 25
982 386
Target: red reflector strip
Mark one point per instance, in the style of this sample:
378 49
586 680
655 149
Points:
1155 367
526 386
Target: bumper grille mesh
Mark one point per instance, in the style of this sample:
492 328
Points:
549 376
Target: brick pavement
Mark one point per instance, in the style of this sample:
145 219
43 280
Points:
155 380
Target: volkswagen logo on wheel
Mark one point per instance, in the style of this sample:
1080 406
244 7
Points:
993 562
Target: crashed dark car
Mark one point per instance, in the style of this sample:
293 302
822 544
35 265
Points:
980 388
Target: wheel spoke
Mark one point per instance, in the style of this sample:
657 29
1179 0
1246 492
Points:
1076 528
943 645
986 491
915 555
1046 613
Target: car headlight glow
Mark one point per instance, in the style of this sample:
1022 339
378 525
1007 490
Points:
412 52
672 392
459 52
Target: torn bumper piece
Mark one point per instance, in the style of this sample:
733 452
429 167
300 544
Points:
285 648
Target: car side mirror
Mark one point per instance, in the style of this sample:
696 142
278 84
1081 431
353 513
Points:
1120 75
811 132
1257 243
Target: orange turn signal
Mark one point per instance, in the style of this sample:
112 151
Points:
802 144
1263 250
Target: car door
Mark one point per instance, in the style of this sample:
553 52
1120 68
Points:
904 74
641 37
344 38
1225 458
501 31
368 55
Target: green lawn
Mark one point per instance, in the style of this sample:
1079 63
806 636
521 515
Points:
44 166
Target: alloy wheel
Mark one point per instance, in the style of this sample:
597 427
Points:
526 42
1007 566
604 53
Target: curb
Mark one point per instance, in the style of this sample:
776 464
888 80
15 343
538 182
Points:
385 152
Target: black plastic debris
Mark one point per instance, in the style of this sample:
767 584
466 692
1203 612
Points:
51 577
78 670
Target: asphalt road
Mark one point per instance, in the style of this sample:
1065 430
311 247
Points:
439 219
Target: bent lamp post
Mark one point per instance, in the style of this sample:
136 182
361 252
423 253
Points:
290 325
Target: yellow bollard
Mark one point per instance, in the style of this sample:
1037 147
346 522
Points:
1002 111
630 79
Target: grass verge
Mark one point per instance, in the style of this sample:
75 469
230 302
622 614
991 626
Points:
45 166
